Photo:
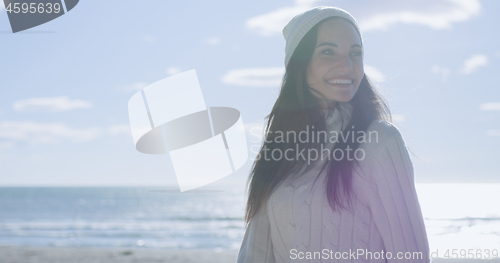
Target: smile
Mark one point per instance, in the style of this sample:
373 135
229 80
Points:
339 81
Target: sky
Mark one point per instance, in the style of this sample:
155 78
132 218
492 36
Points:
65 84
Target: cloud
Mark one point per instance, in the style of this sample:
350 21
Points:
255 77
490 106
444 72
34 132
212 41
173 70
377 15
398 117
374 74
493 132
473 63
305 2
54 104
272 23
434 14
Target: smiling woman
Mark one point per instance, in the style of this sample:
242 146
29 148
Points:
330 207
336 66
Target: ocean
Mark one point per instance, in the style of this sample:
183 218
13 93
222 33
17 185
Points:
121 217
457 216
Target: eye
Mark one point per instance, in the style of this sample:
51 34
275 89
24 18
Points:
357 54
327 52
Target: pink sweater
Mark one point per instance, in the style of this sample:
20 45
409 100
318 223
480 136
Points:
297 224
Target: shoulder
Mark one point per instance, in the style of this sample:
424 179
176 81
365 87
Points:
383 142
387 163
380 134
383 127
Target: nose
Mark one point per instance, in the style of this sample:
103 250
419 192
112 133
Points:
344 64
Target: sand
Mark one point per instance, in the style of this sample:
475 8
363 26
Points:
111 255
123 255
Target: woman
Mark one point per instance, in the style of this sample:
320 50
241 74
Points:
344 190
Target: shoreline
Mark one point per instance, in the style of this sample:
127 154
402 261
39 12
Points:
27 254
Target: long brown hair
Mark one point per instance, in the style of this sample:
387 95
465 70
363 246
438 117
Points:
294 110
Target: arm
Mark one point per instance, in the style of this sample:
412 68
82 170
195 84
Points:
257 246
394 203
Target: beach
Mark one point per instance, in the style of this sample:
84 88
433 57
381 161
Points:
155 225
111 255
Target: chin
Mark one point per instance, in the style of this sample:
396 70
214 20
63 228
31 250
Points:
341 98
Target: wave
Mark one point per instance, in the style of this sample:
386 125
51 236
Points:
167 225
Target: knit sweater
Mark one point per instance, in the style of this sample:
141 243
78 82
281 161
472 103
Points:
296 224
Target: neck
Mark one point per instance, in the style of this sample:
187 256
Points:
327 104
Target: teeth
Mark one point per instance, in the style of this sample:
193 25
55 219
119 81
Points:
340 81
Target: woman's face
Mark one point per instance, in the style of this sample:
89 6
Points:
336 66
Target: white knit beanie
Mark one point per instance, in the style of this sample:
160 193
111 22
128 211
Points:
297 28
